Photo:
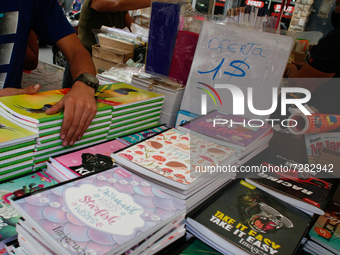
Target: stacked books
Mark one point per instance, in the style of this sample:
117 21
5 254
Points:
16 148
289 181
180 164
248 138
91 159
324 235
133 109
243 219
29 112
16 187
142 135
110 212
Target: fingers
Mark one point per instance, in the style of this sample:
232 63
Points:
13 91
32 89
58 107
77 118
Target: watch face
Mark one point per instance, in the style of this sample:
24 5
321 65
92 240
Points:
91 78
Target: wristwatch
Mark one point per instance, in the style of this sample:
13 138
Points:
89 80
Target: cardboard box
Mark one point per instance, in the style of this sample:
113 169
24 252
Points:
299 57
115 43
102 64
110 54
289 146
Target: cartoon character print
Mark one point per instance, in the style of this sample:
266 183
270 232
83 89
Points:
94 162
258 212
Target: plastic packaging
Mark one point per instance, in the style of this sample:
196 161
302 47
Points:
313 124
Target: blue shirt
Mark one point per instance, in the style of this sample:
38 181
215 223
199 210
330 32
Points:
17 19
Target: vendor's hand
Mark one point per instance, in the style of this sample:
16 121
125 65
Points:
298 64
13 91
289 67
80 108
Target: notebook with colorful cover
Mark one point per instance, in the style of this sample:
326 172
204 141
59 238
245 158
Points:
120 95
228 129
244 219
29 109
142 135
11 134
84 161
326 230
287 180
174 157
103 213
18 187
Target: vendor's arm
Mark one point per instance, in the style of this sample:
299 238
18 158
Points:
32 52
79 103
306 71
118 5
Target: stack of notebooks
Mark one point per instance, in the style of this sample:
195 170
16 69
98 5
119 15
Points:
16 148
29 112
142 135
84 161
133 109
248 138
242 219
288 181
16 187
111 212
324 235
179 164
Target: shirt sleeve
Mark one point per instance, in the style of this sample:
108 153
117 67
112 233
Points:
50 23
326 55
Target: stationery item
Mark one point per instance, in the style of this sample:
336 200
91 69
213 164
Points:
314 123
252 15
245 220
289 181
246 15
17 187
164 24
256 11
121 95
106 213
85 161
237 14
242 13
258 17
174 157
183 55
230 133
12 133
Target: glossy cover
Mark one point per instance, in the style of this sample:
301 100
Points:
121 94
235 131
175 155
326 230
93 159
11 133
137 137
99 212
33 106
254 220
290 180
18 187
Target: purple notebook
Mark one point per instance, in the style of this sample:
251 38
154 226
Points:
229 128
100 213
